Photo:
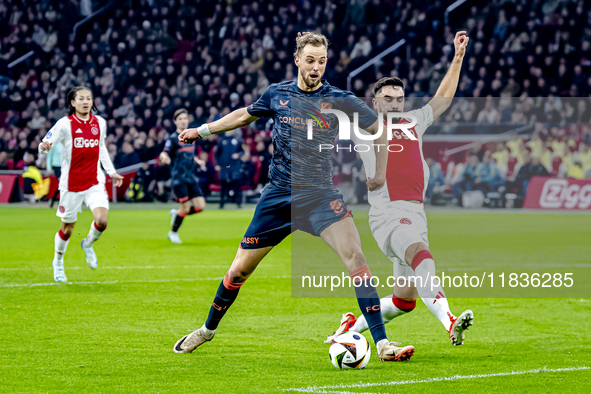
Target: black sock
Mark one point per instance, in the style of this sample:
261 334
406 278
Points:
193 210
224 298
177 222
369 302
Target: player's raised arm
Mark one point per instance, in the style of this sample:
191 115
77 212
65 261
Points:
236 119
447 89
381 150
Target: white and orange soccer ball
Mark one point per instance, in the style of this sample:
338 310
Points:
350 350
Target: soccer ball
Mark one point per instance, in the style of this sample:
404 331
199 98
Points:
349 350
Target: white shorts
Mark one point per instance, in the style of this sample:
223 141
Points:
71 202
395 226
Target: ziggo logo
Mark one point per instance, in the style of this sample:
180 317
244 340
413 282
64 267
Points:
85 143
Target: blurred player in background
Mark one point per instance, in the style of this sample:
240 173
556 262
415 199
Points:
397 216
306 187
82 136
54 167
184 184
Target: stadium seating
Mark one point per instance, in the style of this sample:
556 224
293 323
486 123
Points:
165 55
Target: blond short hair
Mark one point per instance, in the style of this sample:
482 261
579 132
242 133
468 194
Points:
315 39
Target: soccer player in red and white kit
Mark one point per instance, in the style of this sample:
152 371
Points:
397 216
82 135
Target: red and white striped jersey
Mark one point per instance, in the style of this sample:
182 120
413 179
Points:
407 172
83 147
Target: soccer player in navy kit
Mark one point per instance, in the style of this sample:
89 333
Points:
184 184
300 181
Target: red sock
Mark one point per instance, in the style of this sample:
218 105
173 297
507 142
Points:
64 236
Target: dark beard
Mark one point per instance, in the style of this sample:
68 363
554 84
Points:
306 81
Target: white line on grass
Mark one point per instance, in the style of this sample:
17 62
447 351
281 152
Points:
112 282
330 389
146 267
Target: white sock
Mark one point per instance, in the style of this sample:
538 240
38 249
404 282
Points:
389 312
207 333
60 247
434 298
93 235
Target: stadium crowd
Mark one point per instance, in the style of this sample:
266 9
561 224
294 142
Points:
143 59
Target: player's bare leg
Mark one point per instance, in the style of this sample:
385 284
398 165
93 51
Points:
421 261
97 227
244 264
343 238
62 238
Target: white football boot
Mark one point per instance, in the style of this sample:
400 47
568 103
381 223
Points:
391 352
174 237
459 325
190 342
91 259
59 275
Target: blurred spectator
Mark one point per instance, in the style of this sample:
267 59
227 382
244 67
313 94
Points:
436 178
128 158
576 171
227 155
488 177
247 170
3 161
467 182
205 172
531 168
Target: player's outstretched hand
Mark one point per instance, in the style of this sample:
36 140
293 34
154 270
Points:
189 135
118 179
302 34
461 42
374 184
46 146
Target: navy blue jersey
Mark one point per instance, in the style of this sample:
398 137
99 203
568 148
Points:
297 162
182 158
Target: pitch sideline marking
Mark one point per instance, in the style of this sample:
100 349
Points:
115 268
324 389
111 282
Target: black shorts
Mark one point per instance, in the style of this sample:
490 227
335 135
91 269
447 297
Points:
187 191
281 211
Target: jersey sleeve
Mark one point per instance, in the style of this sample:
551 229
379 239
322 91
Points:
104 157
424 118
56 133
367 116
262 107
170 146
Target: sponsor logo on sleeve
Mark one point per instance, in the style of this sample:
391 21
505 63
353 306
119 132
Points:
405 221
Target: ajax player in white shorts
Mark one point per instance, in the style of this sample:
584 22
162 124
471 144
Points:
397 216
82 135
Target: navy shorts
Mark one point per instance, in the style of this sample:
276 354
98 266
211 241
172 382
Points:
280 212
187 191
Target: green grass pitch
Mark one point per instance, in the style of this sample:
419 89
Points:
112 330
